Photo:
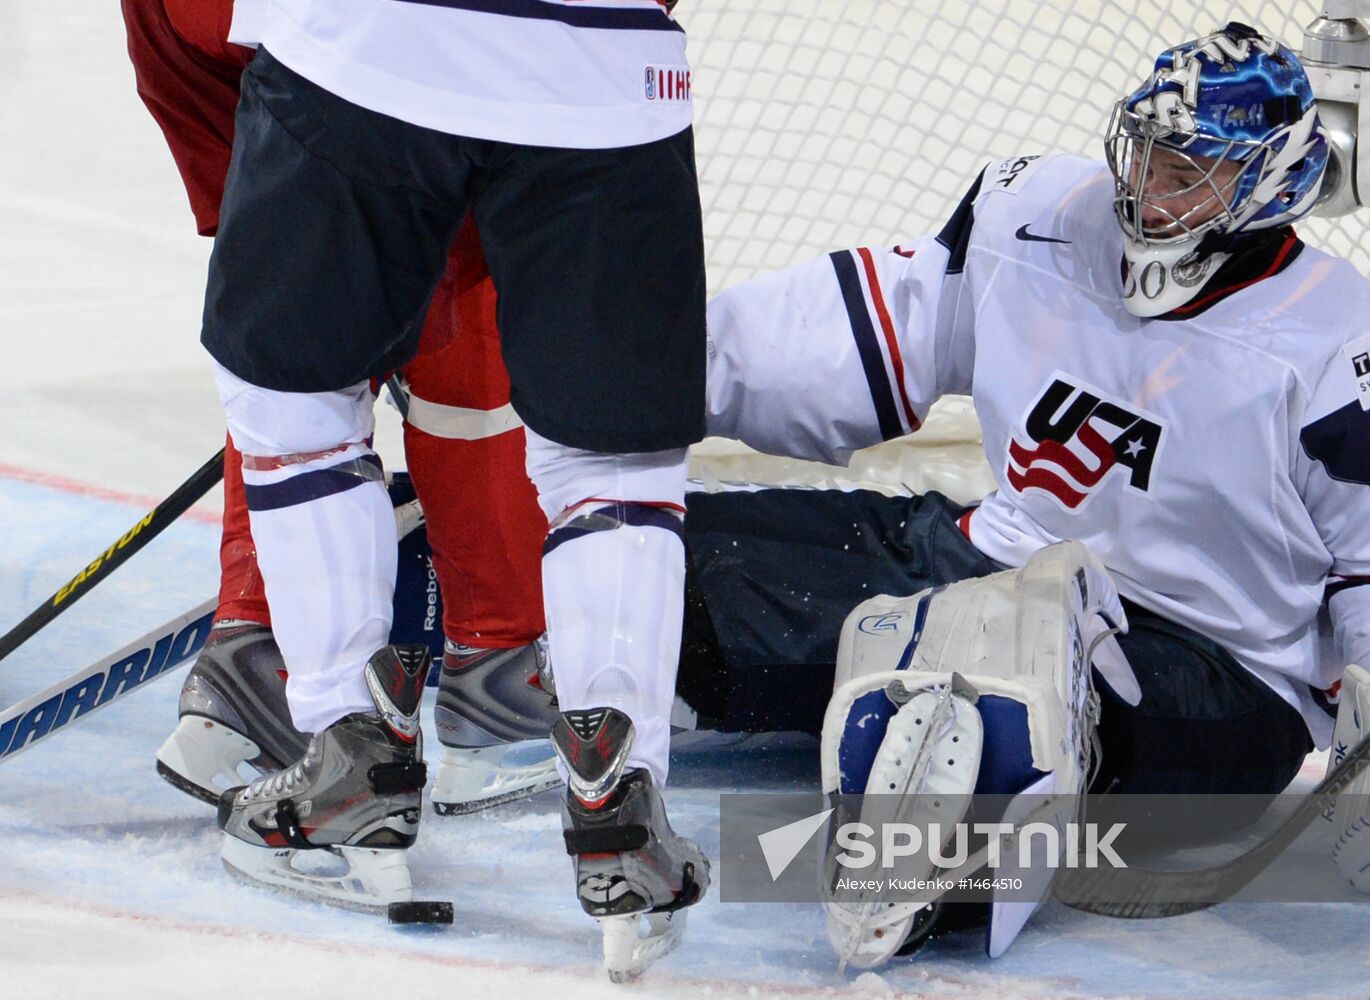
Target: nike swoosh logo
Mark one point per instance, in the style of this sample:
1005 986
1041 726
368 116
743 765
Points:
1028 237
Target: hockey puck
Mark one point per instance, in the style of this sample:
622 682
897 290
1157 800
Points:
420 911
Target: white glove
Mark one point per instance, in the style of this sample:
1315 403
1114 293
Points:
1351 850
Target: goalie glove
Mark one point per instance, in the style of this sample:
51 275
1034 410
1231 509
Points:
1351 850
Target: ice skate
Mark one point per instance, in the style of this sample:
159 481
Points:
234 723
335 824
633 873
495 709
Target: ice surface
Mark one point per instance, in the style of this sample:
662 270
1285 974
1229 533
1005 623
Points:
109 880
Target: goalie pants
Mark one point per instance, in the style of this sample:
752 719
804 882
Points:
773 574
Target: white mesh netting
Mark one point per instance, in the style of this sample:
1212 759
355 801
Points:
830 123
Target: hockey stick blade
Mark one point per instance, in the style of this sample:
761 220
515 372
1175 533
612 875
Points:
1143 894
75 697
143 531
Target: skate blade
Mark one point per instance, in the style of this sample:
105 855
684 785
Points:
370 881
470 780
201 757
634 942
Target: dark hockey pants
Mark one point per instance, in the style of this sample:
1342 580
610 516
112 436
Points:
773 574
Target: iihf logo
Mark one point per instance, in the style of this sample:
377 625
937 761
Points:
1075 437
666 83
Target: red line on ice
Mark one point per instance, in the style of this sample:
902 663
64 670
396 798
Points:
99 492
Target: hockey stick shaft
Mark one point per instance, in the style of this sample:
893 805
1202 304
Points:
1144 893
75 697
143 531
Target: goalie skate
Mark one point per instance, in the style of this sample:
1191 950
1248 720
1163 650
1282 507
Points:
633 873
234 723
495 708
335 824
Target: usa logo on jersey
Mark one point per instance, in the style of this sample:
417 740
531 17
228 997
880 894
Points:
1074 437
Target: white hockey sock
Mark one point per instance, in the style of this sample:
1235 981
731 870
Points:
614 603
325 536
329 567
613 574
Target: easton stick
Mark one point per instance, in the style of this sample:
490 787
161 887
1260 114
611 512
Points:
143 531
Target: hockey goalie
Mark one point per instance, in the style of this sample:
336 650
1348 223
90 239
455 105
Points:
1172 392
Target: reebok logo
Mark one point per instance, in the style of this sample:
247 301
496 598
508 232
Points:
1028 237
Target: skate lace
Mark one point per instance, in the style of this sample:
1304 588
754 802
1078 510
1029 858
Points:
278 784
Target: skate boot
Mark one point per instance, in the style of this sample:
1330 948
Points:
495 709
233 715
633 873
349 807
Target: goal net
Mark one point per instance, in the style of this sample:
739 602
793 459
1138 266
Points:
831 123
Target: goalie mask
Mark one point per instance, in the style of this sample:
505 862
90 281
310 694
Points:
1222 140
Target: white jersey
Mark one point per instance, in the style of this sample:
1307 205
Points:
579 74
1217 462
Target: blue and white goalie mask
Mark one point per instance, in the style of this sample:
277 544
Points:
1222 140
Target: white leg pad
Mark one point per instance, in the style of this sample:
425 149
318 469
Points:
1025 637
1035 630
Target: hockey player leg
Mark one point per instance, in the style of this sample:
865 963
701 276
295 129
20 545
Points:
234 723
326 540
1351 851
982 686
465 448
613 578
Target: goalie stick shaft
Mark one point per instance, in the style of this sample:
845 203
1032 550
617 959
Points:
143 531
75 697
1145 893
1142 893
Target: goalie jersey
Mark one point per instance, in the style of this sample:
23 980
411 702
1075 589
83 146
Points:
1217 459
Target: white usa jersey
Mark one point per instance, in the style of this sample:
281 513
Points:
578 74
1216 459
